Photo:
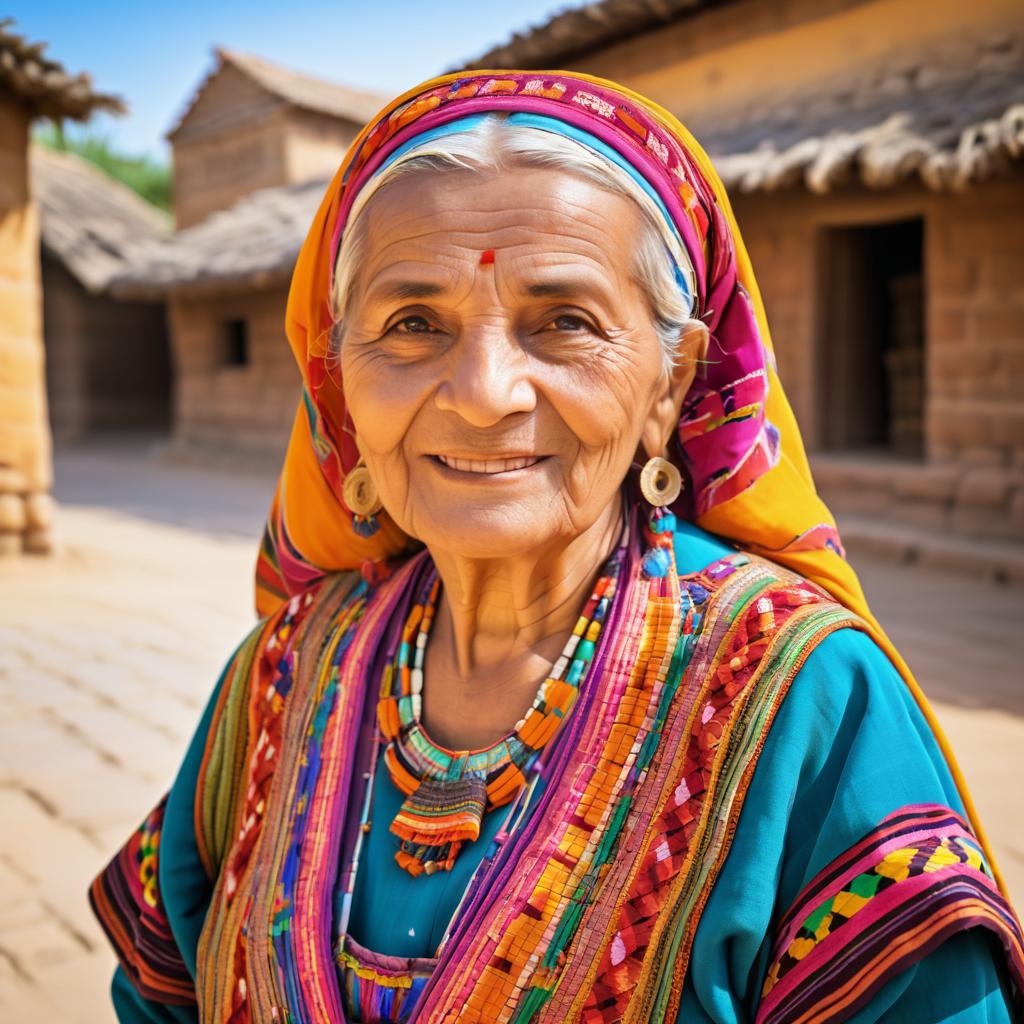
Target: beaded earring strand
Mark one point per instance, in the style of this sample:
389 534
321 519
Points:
359 493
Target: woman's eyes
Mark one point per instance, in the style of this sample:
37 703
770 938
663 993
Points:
562 323
412 325
569 323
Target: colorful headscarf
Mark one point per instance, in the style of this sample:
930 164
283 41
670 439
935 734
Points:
748 476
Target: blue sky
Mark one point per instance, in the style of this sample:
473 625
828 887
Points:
155 54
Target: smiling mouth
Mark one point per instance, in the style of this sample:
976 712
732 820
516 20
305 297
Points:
489 467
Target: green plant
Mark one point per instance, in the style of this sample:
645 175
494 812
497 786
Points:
150 178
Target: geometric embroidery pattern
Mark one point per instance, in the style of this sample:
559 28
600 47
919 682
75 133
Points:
828 917
911 883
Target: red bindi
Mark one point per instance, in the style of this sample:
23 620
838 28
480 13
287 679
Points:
486 257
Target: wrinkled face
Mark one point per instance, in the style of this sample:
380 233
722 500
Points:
499 405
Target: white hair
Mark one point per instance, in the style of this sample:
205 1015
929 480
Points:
494 144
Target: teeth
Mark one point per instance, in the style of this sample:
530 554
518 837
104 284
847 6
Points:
488 465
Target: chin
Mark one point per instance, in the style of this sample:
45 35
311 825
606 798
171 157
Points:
476 532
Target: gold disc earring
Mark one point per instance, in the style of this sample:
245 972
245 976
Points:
360 492
660 482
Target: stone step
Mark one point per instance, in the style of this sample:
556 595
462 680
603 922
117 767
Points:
1000 561
970 501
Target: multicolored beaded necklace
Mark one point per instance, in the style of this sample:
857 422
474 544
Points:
448 792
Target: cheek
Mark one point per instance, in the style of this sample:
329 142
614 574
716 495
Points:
604 402
382 399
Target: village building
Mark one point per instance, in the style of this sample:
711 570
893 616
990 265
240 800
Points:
252 156
31 86
225 282
252 125
107 360
872 154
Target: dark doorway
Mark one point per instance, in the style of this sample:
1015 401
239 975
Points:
236 343
108 364
873 338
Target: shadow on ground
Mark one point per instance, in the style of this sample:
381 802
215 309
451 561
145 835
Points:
137 476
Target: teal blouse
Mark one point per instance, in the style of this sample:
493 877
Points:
848 747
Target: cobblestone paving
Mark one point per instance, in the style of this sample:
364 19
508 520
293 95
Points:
111 648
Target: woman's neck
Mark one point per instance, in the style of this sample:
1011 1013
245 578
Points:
500 625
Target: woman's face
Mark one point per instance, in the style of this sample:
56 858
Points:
500 362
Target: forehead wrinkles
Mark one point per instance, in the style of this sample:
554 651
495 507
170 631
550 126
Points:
515 247
438 214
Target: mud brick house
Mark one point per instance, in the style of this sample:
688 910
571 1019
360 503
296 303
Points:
252 155
253 125
107 361
31 86
225 281
872 150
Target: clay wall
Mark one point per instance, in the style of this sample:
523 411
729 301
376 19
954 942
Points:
231 144
970 478
711 69
25 452
315 144
239 138
245 409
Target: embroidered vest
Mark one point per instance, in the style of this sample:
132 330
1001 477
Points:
588 911
599 898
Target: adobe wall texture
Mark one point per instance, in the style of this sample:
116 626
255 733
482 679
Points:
711 69
248 409
315 144
238 138
215 171
971 478
25 453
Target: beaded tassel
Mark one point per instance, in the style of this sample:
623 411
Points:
449 813
658 559
365 526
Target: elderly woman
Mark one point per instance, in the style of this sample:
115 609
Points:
517 739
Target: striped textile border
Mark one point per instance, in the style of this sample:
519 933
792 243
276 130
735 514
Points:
126 899
914 881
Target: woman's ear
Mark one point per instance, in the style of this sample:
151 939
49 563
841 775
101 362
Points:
663 417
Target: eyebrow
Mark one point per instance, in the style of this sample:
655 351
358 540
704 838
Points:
552 290
398 290
560 289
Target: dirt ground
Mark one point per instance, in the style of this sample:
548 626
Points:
112 647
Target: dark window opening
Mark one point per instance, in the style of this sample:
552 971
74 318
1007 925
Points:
236 343
873 338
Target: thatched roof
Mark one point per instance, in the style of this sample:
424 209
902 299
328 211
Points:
571 34
953 119
947 117
43 85
307 92
252 244
947 120
94 225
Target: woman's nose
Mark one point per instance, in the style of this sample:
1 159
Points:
487 377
